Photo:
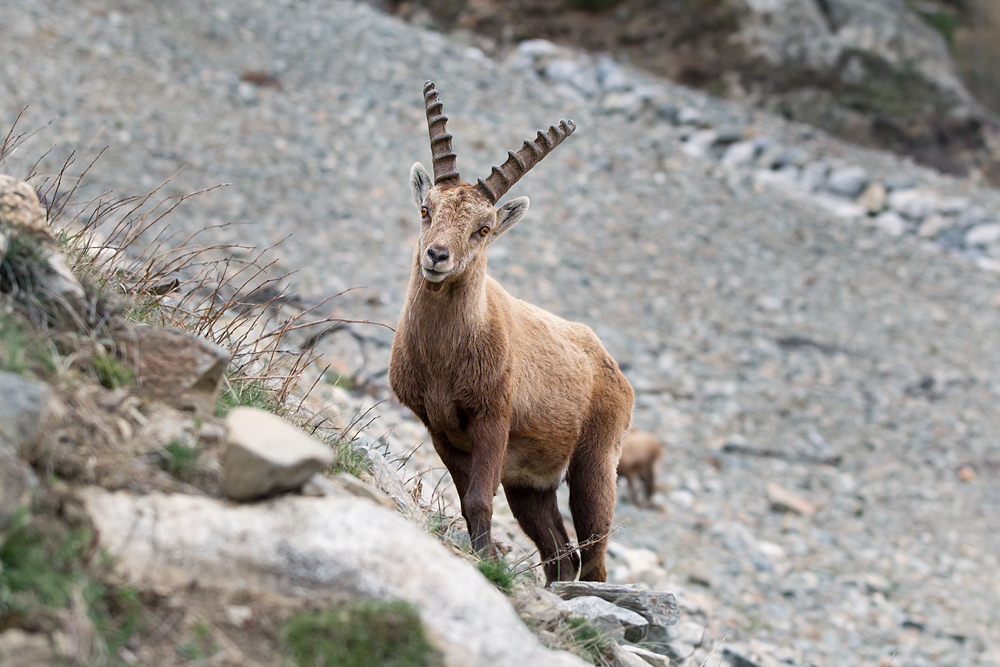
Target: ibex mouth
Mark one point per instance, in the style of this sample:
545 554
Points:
434 276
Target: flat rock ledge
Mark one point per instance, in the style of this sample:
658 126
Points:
316 547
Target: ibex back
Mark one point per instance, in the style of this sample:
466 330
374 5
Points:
510 393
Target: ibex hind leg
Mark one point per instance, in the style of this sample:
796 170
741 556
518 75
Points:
592 491
538 515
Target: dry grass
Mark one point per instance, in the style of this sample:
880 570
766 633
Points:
136 267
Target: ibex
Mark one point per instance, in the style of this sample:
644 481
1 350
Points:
641 454
510 393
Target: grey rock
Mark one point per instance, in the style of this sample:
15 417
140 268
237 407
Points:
573 73
815 175
623 658
892 223
787 177
933 225
914 204
689 116
176 367
611 76
972 216
983 234
17 484
265 455
23 404
740 154
795 156
648 657
316 547
847 181
899 181
659 608
385 477
614 620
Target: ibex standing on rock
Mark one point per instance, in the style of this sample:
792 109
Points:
510 393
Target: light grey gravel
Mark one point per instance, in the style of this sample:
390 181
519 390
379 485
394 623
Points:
743 313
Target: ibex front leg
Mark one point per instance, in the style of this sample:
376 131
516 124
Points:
489 451
477 477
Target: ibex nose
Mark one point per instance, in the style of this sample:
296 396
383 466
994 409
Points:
437 253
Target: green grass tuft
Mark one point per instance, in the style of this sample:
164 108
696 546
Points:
254 393
22 350
587 640
46 564
110 372
359 634
499 573
180 460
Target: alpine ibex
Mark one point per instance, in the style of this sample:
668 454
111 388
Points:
641 454
510 393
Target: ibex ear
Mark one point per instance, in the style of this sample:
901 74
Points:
420 183
509 214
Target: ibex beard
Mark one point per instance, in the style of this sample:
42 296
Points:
510 393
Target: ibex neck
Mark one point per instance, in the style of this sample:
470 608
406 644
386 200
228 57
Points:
462 297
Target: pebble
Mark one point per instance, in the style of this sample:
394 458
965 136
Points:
847 181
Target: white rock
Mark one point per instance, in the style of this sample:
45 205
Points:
873 198
983 235
891 223
740 154
265 454
316 547
933 225
914 204
647 657
787 177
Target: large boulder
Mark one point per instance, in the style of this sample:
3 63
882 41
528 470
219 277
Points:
874 71
316 547
179 368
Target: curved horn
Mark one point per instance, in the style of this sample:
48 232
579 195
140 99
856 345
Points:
444 158
518 164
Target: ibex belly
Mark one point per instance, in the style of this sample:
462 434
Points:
536 464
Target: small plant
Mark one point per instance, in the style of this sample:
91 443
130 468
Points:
587 640
250 392
180 460
351 458
110 372
49 567
200 646
22 350
359 634
499 573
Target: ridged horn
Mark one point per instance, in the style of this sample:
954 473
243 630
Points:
517 165
444 157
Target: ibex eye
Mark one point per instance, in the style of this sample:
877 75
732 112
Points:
483 231
424 213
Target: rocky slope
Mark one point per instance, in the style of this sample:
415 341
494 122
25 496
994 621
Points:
878 72
775 331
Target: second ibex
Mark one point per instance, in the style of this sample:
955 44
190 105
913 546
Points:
510 393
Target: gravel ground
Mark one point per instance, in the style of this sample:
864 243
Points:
747 319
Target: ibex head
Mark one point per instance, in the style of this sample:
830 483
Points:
458 219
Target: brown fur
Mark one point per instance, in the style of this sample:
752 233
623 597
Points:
641 454
510 393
